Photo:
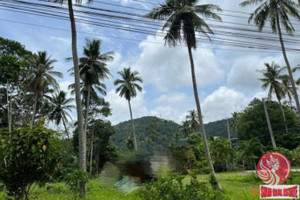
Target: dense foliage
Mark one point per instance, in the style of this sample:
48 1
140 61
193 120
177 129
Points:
28 156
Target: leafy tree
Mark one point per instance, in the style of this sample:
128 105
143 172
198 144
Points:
182 21
41 77
127 87
14 48
252 123
28 155
278 12
271 79
60 106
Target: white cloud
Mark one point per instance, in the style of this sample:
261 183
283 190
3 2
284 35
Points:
167 68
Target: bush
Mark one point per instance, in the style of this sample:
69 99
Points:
28 156
74 178
173 188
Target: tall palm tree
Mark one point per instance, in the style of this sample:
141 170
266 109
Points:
93 70
60 108
278 12
41 77
127 87
192 119
182 22
271 79
81 133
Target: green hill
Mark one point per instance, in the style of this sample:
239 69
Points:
153 132
149 130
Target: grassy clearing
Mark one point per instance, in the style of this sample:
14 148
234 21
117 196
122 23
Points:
236 185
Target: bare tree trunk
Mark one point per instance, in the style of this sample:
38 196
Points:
34 109
202 128
229 134
81 133
133 129
8 107
91 154
289 68
87 109
269 124
283 116
64 123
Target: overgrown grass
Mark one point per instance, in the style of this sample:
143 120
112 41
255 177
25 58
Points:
236 185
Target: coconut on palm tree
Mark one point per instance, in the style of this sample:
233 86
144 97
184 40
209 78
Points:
278 12
60 108
184 18
127 87
41 77
271 79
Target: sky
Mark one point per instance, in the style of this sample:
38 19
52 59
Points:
227 77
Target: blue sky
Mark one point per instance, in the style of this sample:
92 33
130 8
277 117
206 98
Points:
227 76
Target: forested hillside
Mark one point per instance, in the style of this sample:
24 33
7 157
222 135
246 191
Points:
152 130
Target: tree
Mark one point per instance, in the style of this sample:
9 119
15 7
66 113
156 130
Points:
251 150
192 119
28 155
93 70
41 77
278 12
127 87
60 105
182 22
286 88
271 79
252 123
81 133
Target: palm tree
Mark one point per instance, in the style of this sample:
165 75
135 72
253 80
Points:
41 77
192 119
271 79
60 108
279 13
81 133
182 22
127 87
93 70
286 88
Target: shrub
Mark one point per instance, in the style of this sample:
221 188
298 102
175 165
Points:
173 188
28 156
74 178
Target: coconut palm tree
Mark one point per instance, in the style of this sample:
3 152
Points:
81 133
93 70
60 107
286 88
127 87
278 12
192 119
41 77
271 79
183 19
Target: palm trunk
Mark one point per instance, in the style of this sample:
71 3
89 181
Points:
269 124
289 68
8 107
87 109
229 134
91 154
34 109
254 164
202 128
81 133
132 126
283 116
64 123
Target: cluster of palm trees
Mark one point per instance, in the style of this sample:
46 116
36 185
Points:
183 19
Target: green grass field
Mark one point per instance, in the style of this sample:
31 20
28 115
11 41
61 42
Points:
236 185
